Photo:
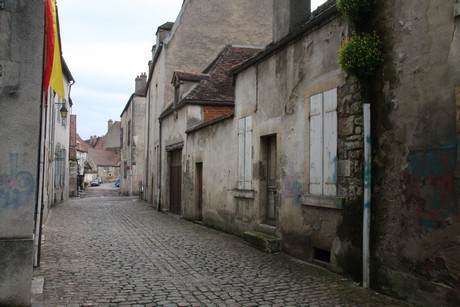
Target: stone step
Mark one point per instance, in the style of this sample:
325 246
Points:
266 243
266 229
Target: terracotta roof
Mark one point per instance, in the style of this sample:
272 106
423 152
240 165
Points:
83 146
219 86
103 157
99 144
209 123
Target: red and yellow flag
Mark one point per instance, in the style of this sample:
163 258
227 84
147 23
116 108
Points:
52 75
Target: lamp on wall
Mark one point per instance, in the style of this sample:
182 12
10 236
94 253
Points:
63 110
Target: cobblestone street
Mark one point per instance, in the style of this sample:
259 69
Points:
104 251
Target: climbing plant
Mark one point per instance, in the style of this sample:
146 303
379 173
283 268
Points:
361 54
355 11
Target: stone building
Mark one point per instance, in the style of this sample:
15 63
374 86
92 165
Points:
415 113
21 53
34 156
132 140
202 99
201 31
112 137
288 164
56 136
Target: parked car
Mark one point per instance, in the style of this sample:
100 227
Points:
95 182
117 182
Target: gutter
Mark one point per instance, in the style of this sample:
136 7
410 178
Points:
159 169
171 108
309 26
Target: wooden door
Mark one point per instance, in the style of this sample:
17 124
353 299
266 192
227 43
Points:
175 183
272 189
199 185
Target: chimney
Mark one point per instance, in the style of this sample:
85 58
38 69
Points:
109 124
288 15
141 82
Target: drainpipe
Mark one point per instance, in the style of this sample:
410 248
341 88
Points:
367 193
159 170
148 190
41 185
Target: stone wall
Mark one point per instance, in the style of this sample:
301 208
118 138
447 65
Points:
415 190
21 55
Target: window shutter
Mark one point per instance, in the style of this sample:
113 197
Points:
241 132
330 143
248 153
316 144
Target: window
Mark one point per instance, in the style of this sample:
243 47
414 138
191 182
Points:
121 137
57 100
245 153
59 167
129 133
323 143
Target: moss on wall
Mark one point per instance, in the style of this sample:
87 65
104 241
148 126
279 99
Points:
220 224
350 230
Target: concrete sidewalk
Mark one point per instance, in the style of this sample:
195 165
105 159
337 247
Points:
119 251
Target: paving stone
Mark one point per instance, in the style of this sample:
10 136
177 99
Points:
120 251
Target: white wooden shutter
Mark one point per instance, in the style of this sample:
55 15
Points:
316 144
241 143
248 153
330 143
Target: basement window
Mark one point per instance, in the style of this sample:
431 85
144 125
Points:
322 255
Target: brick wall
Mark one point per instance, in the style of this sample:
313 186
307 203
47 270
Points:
213 112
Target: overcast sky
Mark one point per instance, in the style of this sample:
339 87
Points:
106 44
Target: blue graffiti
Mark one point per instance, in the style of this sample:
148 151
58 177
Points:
15 187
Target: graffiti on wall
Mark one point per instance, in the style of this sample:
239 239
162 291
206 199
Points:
292 184
430 188
15 186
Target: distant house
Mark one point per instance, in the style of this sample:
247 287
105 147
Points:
102 154
132 140
103 164
81 149
112 137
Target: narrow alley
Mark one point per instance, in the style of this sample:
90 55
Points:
115 251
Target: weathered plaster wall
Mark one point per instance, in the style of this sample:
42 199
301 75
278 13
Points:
276 92
138 160
21 50
173 130
415 183
133 153
213 146
126 150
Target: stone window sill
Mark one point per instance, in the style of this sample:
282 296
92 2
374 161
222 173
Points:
250 194
330 202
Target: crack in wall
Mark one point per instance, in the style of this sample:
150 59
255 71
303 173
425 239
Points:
290 103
